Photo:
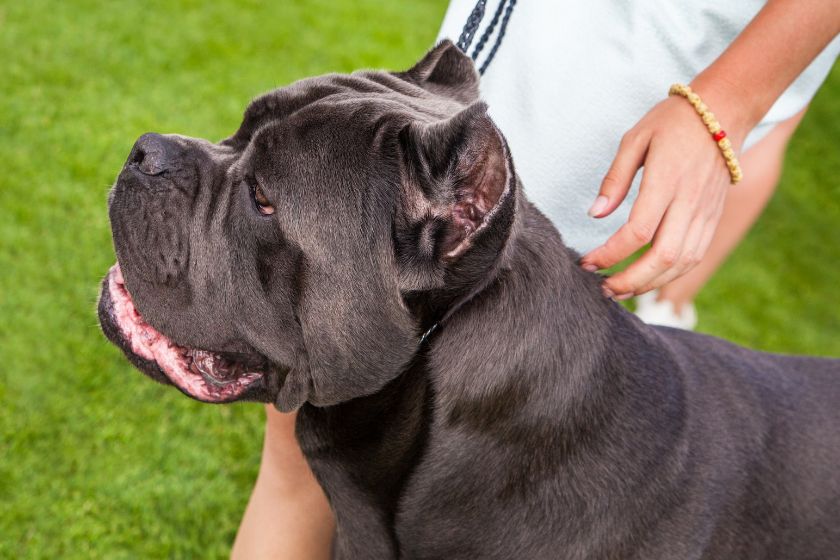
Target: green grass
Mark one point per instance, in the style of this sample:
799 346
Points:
98 462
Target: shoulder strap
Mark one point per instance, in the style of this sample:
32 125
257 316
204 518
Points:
503 13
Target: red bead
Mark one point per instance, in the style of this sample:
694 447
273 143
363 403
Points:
719 135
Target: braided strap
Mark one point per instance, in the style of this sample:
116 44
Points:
471 26
715 130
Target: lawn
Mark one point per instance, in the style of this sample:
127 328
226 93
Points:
98 462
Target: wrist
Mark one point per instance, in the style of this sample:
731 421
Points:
730 105
713 126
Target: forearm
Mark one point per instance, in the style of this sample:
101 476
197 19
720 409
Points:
288 515
768 55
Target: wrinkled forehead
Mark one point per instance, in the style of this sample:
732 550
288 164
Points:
324 146
360 100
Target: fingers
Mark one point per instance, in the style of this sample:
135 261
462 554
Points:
696 245
690 256
669 258
614 188
708 237
644 220
664 257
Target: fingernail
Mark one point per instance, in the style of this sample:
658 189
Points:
607 292
622 297
589 267
599 206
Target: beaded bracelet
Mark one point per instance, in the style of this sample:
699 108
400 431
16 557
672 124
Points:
715 130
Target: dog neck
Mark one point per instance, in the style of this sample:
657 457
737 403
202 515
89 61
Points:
539 307
540 344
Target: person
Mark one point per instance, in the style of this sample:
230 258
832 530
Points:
580 90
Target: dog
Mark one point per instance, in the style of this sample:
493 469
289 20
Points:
361 251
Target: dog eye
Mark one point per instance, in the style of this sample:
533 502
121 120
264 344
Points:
262 203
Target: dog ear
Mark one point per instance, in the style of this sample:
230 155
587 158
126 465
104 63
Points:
447 71
458 194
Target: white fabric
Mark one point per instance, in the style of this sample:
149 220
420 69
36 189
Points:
571 77
654 312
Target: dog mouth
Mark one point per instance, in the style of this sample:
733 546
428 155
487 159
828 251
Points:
201 374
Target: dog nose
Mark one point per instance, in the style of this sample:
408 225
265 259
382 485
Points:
151 154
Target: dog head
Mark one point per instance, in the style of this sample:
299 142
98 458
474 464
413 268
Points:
291 262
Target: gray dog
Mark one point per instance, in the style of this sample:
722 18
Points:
301 261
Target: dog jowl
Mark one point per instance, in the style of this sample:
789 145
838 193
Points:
275 265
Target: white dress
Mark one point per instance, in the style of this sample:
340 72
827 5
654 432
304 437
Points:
569 78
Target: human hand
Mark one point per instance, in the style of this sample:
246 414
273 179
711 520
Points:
680 200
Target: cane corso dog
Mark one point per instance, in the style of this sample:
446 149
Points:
361 251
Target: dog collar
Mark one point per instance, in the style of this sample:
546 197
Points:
428 333
451 312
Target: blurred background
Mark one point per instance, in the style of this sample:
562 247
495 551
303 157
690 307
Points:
96 461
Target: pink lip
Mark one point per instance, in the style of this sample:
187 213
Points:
183 366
